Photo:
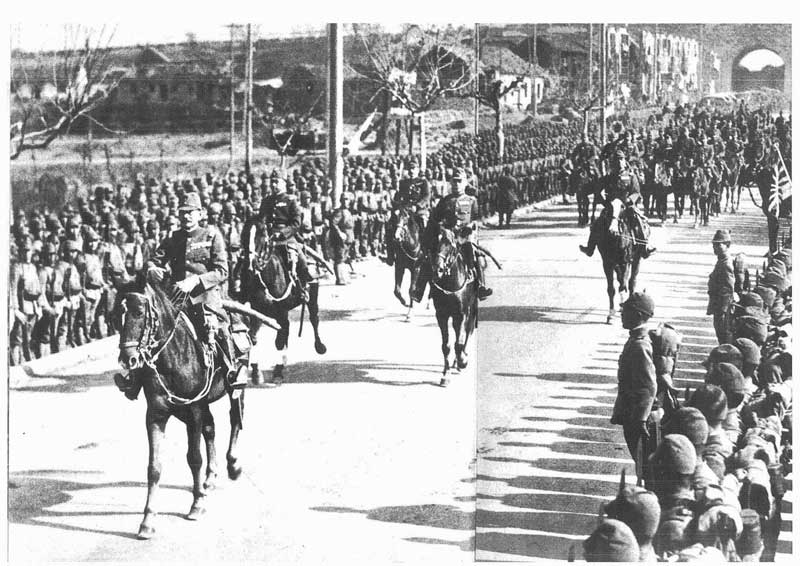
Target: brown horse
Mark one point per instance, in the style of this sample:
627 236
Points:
455 298
158 341
408 254
273 291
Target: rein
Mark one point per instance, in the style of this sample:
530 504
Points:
260 277
148 341
450 260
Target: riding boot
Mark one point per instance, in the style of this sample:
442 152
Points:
641 235
473 261
236 376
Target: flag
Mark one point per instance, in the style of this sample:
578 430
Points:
781 188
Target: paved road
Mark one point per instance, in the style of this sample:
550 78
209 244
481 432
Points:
359 457
547 455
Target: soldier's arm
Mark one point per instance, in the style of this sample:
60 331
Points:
217 263
294 220
160 258
643 372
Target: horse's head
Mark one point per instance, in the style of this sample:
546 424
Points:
446 252
136 316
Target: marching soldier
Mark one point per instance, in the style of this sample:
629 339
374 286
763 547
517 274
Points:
458 212
25 303
91 319
636 407
721 283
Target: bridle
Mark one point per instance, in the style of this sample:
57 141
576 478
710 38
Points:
263 256
149 350
399 236
448 262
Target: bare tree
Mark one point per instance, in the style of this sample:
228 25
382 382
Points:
492 98
50 92
281 117
416 67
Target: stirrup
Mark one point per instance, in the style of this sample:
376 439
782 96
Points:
484 293
238 379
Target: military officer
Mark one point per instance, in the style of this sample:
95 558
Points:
721 286
459 212
341 236
636 407
413 193
195 260
622 190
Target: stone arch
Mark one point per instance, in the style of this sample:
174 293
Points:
769 76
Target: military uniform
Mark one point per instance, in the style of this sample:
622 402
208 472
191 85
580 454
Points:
341 237
506 199
69 330
24 306
721 283
415 194
91 318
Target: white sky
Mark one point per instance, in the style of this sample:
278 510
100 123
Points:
757 60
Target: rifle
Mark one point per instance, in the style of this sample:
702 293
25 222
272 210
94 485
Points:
489 254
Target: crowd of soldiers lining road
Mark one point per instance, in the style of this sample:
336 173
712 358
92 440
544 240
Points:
67 264
714 466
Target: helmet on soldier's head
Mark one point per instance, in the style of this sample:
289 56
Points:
641 303
639 509
724 353
215 208
24 244
611 541
722 236
191 201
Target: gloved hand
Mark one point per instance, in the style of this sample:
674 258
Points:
188 284
156 274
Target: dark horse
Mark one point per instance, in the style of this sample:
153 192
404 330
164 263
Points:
455 297
621 256
273 292
408 254
158 341
764 177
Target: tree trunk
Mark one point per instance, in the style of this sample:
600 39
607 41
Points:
383 129
410 130
501 137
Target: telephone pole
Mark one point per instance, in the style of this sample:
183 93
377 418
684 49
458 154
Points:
248 104
534 103
591 60
232 102
603 96
477 86
335 110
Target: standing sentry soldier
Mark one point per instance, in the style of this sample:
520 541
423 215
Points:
341 236
636 407
721 284
44 329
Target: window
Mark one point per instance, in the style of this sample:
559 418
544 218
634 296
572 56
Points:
163 91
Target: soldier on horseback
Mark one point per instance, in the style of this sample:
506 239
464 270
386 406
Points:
196 261
457 211
622 194
414 194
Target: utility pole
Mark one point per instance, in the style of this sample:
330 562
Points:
476 70
232 101
248 105
335 110
655 66
534 104
591 61
603 86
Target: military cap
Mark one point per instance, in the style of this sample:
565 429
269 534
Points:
346 195
24 244
773 280
700 553
723 236
723 353
689 422
730 379
723 521
786 257
711 401
75 221
767 295
639 509
458 175
91 235
191 201
641 303
305 195
279 183
215 208
676 454
751 353
751 299
612 541
777 266
752 327
671 535
750 541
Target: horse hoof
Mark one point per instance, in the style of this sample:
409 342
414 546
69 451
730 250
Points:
461 363
609 318
211 483
277 375
320 348
444 382
256 377
146 532
234 471
196 513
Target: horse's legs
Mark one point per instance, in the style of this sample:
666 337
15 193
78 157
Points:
313 317
441 318
399 270
194 457
209 435
255 373
281 345
773 226
633 275
236 413
413 276
156 424
460 340
609 271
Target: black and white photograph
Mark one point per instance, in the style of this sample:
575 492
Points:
424 293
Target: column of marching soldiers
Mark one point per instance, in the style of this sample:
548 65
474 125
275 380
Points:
67 263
